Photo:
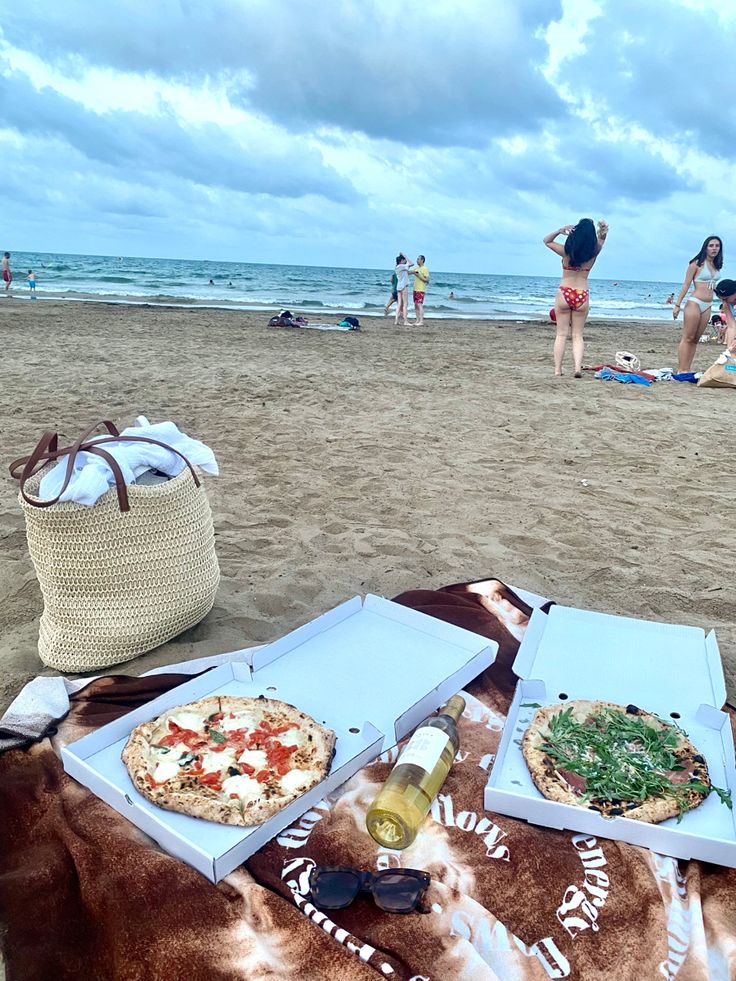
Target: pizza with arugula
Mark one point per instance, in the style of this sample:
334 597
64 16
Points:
618 760
228 759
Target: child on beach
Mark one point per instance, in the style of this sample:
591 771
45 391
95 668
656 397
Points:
7 273
572 302
32 283
393 296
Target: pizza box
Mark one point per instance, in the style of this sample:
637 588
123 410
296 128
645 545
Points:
371 670
673 671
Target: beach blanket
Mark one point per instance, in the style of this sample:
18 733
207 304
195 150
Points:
85 894
625 377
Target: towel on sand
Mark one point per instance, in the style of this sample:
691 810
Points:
85 894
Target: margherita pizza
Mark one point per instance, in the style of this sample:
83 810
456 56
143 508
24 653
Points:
228 759
620 761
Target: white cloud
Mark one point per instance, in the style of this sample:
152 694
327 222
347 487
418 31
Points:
259 130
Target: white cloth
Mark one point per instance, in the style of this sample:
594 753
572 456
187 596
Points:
45 700
92 476
402 275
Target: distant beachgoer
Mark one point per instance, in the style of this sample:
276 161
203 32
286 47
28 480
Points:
7 272
32 283
393 296
451 296
230 285
421 279
670 298
212 282
572 301
726 291
402 288
703 273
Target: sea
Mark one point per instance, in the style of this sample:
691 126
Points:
319 292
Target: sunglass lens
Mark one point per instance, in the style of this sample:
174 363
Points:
397 893
332 890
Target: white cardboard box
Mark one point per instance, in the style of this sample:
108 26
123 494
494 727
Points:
372 671
673 671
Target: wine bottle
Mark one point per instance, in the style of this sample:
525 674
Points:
395 816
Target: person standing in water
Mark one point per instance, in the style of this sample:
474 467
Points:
32 283
7 272
572 301
703 273
393 297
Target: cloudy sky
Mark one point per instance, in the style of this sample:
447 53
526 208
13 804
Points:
338 133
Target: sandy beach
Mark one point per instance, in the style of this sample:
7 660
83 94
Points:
386 460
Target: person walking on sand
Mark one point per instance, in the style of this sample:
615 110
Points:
7 273
572 300
421 279
703 272
32 283
393 297
402 289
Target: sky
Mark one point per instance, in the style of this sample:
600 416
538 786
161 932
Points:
341 133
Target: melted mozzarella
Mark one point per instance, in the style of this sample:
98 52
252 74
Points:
295 779
242 720
165 771
293 737
213 762
189 720
160 753
254 757
242 786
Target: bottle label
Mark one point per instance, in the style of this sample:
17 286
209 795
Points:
425 748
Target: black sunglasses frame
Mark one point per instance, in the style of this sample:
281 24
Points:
367 881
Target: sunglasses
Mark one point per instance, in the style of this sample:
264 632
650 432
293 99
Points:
393 890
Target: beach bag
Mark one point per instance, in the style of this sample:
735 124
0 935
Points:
627 361
722 374
124 575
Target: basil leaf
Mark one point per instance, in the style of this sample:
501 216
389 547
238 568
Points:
217 737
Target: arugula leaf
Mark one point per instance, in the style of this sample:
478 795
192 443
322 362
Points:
622 757
725 796
530 705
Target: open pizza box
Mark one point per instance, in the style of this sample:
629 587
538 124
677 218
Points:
670 670
371 670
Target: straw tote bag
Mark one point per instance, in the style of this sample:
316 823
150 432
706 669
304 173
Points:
124 575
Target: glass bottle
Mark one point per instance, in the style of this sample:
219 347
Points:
395 816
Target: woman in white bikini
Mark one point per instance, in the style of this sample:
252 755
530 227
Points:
703 271
572 301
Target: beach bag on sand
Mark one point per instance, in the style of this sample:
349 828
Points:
124 575
722 374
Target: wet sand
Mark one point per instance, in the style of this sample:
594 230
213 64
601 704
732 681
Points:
386 460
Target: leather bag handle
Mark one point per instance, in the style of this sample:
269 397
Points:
47 449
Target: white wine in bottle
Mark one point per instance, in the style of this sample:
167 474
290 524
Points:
395 816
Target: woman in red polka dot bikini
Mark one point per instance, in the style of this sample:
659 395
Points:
572 302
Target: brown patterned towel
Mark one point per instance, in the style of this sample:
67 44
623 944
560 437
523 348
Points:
85 895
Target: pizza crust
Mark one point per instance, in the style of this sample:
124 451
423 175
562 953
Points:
185 794
555 787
